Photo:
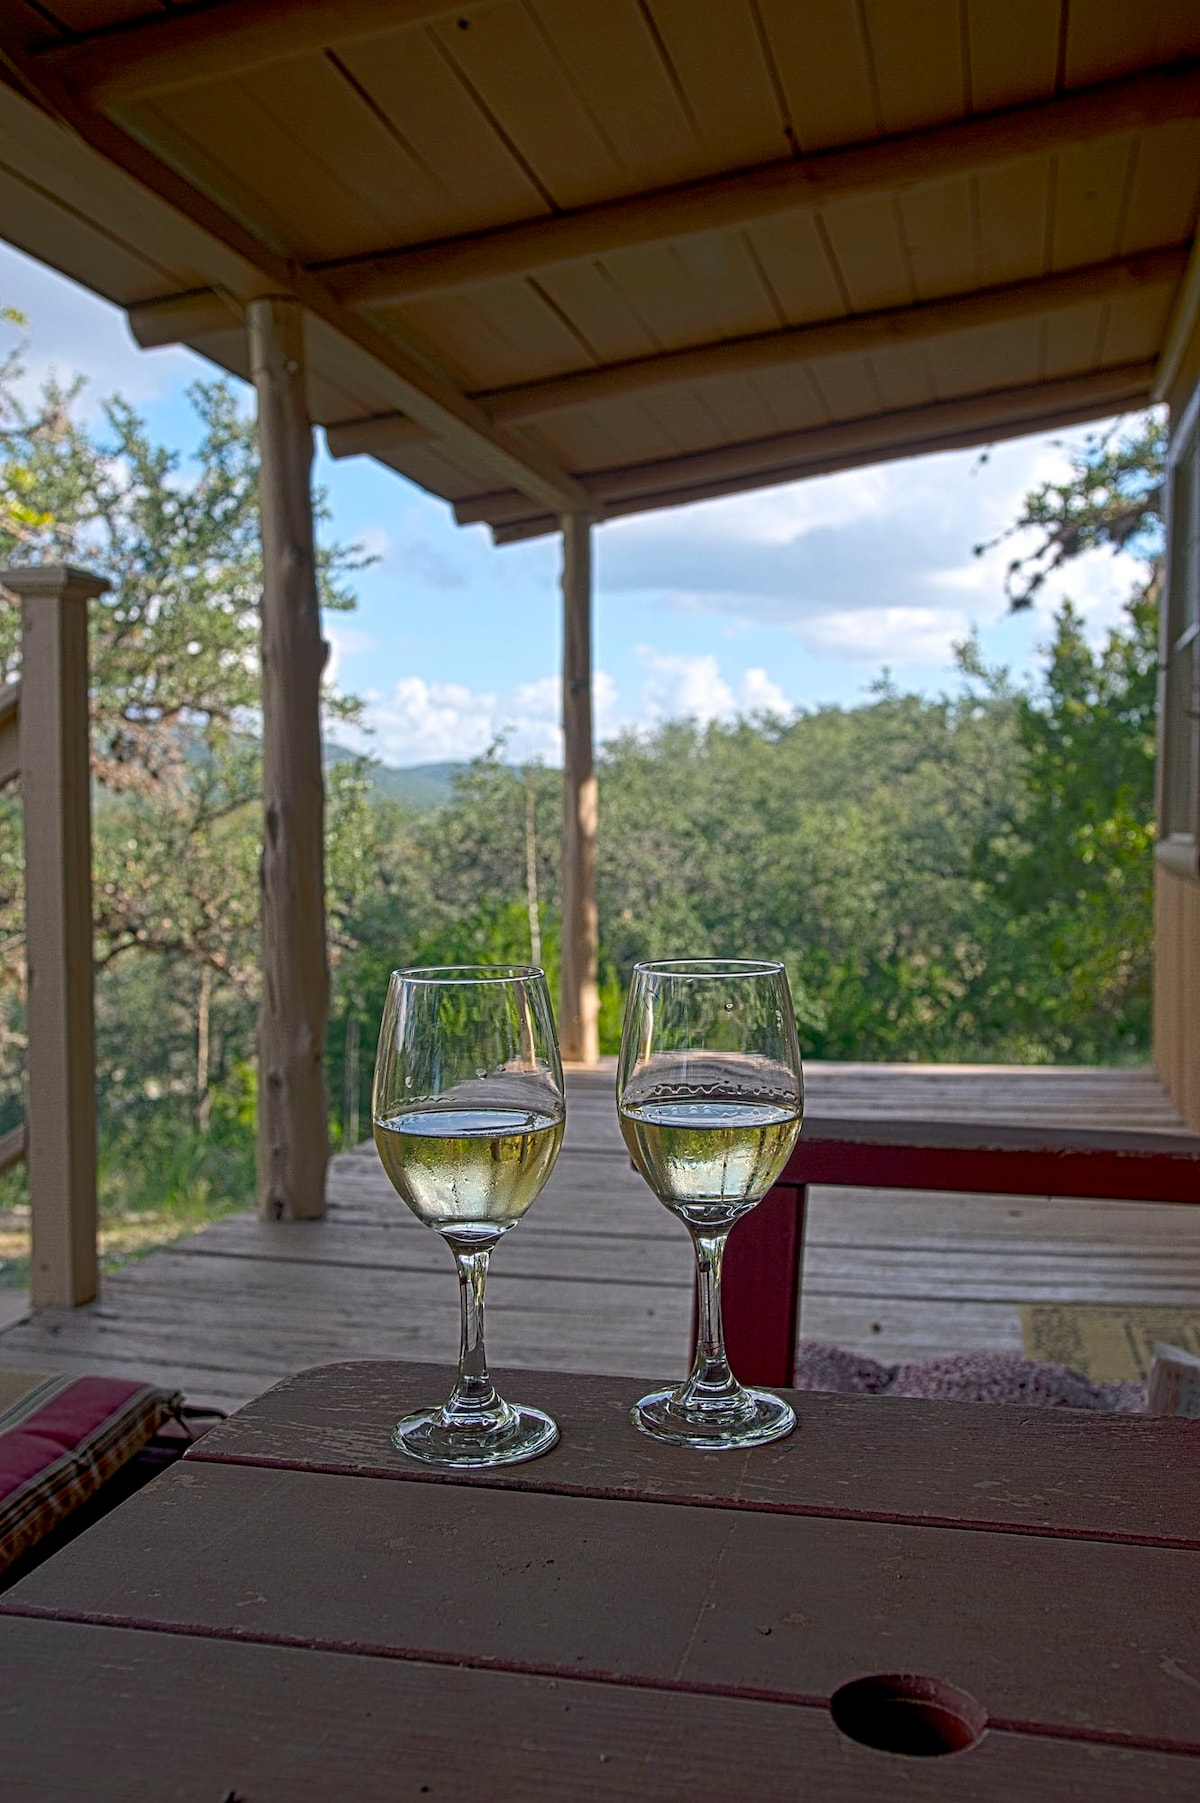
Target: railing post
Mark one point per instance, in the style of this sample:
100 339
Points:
56 803
292 1109
579 1004
761 1291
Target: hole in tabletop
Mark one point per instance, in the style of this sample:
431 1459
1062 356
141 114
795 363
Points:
898 1712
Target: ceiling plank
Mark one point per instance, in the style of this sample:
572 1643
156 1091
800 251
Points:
432 400
1137 103
861 333
109 69
972 419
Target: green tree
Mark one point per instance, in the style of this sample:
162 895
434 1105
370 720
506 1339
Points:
174 697
19 514
1072 866
174 644
839 841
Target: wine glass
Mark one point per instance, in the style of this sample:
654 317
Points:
710 1096
468 1114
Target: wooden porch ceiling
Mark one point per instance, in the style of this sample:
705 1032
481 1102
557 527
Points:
560 257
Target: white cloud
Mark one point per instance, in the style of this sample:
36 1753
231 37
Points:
682 686
531 721
679 685
605 712
895 636
875 563
759 693
425 722
422 722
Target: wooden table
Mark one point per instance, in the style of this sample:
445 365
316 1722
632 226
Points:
296 1612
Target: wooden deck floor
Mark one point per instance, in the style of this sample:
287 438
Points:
598 1277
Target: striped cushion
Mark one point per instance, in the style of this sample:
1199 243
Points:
60 1439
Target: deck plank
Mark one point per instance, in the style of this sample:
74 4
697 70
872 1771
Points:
598 1277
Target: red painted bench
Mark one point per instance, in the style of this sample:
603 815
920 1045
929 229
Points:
761 1287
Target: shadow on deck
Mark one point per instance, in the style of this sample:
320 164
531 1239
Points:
598 1277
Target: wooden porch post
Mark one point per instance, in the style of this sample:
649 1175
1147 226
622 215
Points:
60 1107
292 1121
579 1004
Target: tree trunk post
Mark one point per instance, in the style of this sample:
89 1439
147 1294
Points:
579 1004
292 1110
203 1052
61 1057
531 883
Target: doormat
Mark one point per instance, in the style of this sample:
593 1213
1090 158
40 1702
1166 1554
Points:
1105 1341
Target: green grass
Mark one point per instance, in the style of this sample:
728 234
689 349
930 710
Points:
158 1179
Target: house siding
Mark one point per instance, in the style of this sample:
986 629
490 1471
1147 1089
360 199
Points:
1177 992
1176 900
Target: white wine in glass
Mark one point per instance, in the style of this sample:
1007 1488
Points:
710 1096
468 1114
472 1172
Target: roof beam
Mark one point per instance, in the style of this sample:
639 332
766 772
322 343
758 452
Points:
386 434
110 68
953 439
380 435
908 432
205 312
860 335
425 393
183 318
1180 327
1135 103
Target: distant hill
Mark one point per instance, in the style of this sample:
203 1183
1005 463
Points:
422 786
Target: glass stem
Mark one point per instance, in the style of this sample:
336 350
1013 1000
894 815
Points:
711 1383
473 1404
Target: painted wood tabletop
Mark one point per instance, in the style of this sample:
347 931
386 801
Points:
1110 1477
296 1607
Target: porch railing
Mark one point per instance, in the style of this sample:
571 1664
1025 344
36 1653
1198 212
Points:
44 741
764 1263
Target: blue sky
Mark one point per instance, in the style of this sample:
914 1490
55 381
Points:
783 599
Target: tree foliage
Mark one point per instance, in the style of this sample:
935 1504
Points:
174 644
174 692
1072 866
1111 500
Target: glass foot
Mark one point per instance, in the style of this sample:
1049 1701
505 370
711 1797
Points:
748 1418
523 1434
